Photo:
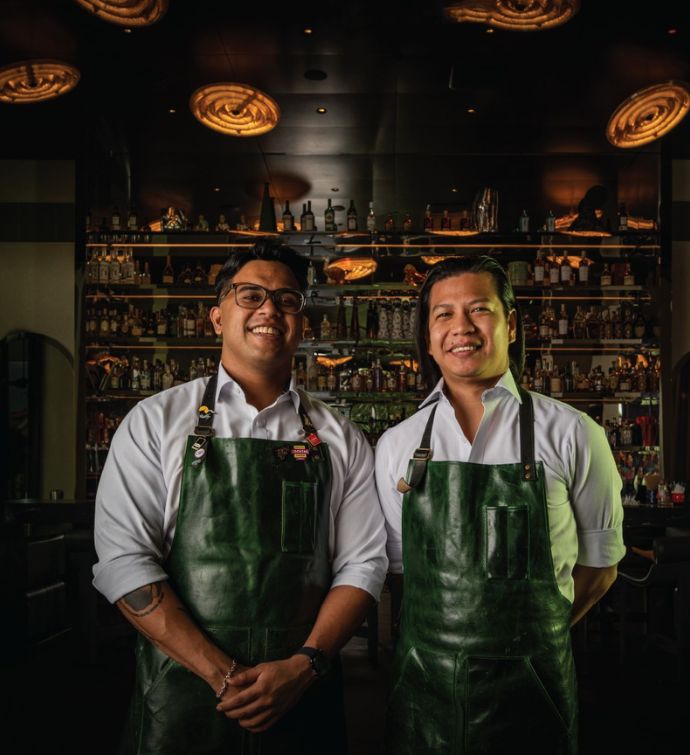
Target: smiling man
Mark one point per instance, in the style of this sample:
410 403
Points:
504 522
238 529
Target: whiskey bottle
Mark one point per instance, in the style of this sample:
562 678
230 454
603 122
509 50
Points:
583 269
308 223
388 223
550 222
325 331
622 217
539 269
523 222
605 279
199 277
168 278
371 219
352 217
628 277
428 219
566 271
115 219
132 221
329 218
445 221
407 223
288 218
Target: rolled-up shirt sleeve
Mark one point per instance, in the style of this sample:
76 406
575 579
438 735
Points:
359 543
595 495
130 505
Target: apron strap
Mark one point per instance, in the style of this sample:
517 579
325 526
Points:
419 458
527 437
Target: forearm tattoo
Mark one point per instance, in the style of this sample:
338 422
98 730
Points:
144 601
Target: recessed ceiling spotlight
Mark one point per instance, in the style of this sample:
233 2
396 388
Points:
454 189
471 110
672 31
308 30
490 30
321 110
314 74
127 31
335 188
172 111
216 188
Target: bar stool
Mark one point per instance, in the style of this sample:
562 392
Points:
669 572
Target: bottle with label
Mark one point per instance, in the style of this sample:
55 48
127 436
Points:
340 319
583 269
622 217
566 271
329 218
563 322
311 274
445 221
428 219
199 277
132 221
554 271
325 330
309 223
352 217
523 222
539 269
168 278
388 223
605 279
288 218
115 222
302 217
550 222
371 219
407 223
628 277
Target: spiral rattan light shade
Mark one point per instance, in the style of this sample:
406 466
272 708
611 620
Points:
127 12
648 114
234 109
515 15
30 81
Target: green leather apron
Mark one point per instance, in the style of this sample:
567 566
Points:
483 663
250 562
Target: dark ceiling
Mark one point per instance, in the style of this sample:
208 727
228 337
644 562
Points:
399 82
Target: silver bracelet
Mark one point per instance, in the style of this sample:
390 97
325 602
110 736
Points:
226 679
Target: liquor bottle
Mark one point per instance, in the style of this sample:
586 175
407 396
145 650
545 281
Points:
311 274
566 271
628 277
554 272
267 218
550 222
388 223
523 222
352 217
104 266
539 269
371 219
199 277
340 319
115 267
288 218
605 279
300 375
372 326
354 320
407 223
132 220
445 221
583 269
622 217
325 331
563 322
128 268
185 278
91 270
115 220
329 218
308 224
303 217
168 278
428 219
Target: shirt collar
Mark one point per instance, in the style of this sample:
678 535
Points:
228 386
505 384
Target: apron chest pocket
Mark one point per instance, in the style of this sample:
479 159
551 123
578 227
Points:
298 511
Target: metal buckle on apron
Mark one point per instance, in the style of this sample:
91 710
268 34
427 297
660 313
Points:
199 448
419 458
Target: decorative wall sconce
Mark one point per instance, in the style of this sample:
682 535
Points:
648 114
36 80
127 12
514 15
234 109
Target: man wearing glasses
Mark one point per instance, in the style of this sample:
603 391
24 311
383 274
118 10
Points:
238 529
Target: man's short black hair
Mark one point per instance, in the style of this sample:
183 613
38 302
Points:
267 250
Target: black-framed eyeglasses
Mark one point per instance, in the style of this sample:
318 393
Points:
252 296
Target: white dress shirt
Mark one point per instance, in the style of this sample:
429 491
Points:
139 490
583 486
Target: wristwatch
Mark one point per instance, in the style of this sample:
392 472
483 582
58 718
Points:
320 663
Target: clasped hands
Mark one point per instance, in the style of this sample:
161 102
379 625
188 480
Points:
258 696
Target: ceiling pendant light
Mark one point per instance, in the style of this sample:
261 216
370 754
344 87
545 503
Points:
234 109
36 80
127 12
648 114
514 15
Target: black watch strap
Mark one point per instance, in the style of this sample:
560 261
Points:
320 663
